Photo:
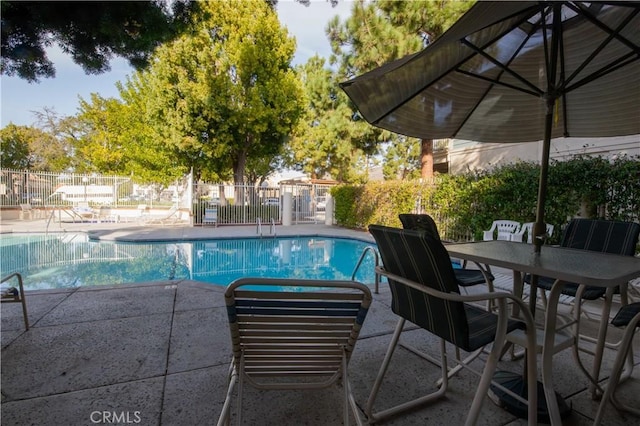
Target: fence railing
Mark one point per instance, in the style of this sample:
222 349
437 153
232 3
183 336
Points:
208 203
216 204
42 189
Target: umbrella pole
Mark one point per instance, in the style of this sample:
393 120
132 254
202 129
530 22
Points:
518 382
539 228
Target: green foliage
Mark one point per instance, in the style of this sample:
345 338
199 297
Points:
117 137
375 202
346 200
402 159
14 146
378 32
91 32
327 141
26 147
225 92
465 205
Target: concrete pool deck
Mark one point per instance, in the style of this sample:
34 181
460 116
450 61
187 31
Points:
158 354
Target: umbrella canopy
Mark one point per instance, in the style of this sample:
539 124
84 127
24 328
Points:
515 72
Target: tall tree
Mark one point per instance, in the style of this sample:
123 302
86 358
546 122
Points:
402 160
226 92
14 146
91 32
115 136
28 147
328 142
381 31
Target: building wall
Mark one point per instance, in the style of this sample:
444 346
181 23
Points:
464 156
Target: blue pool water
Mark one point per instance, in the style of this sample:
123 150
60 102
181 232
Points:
72 260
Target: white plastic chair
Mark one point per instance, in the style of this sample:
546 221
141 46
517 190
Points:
504 228
528 229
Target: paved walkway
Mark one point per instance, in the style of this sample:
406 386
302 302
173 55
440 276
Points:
157 354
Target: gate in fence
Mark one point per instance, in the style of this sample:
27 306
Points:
218 204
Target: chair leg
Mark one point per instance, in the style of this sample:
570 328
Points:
349 400
616 371
241 374
345 389
374 417
226 407
383 369
487 374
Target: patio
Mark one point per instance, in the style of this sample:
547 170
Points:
158 353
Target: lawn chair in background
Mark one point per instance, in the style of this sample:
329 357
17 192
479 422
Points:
210 216
83 211
464 277
144 213
171 217
28 210
527 228
501 230
292 339
424 291
105 214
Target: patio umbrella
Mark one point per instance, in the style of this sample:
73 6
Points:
515 72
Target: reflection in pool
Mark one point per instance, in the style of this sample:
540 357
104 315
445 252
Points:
72 260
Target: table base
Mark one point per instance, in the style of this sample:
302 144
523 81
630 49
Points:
516 384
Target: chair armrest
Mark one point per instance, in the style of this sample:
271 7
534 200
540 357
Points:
487 235
517 236
498 296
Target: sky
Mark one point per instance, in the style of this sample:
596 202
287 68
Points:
62 93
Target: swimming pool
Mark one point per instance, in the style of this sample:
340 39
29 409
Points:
73 260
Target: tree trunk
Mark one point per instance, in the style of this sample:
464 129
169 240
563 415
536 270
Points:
238 169
426 159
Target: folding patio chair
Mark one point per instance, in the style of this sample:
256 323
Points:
605 236
425 292
293 339
628 316
464 277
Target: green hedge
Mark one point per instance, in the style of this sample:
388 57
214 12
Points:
465 205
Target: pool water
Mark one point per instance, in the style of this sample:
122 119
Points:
72 260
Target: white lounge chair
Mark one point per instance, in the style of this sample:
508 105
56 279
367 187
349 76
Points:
172 216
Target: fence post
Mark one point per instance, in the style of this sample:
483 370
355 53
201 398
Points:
286 209
328 210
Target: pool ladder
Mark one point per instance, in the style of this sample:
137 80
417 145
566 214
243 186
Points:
376 259
272 227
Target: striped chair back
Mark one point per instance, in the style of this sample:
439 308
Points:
419 222
419 257
604 236
306 329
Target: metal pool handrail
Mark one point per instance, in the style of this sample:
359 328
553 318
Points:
376 258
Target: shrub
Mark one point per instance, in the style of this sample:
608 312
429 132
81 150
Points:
465 205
